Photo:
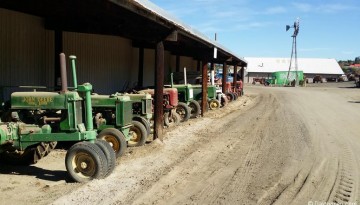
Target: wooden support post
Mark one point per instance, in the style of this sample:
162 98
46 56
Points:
242 71
235 78
159 89
204 88
141 68
177 63
58 37
224 77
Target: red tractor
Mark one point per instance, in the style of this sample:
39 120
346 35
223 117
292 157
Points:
170 101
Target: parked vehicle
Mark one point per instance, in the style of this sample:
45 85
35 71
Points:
38 120
170 102
317 79
187 107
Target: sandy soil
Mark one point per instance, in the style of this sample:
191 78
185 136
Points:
273 146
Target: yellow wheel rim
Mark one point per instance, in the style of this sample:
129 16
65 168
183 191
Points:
84 165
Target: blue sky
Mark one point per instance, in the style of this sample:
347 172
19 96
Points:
328 28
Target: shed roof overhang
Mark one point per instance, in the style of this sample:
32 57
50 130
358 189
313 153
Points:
141 21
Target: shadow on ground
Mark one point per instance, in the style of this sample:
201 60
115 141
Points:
40 173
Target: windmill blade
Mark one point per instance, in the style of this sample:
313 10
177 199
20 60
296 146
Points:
287 27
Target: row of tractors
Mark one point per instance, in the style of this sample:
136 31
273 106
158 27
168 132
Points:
99 127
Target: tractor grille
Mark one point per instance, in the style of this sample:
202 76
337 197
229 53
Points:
148 106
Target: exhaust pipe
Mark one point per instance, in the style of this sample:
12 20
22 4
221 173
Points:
73 66
185 80
64 85
172 79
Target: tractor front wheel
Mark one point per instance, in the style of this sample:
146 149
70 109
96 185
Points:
115 138
184 111
85 161
109 154
138 134
214 104
171 120
195 108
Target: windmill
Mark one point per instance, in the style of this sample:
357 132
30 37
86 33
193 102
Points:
293 51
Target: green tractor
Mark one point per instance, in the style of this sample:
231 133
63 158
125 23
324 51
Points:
214 97
187 106
38 120
116 111
142 109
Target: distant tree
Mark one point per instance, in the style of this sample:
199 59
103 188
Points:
357 60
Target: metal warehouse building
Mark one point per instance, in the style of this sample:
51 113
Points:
263 67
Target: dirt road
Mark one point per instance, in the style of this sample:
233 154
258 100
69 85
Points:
274 146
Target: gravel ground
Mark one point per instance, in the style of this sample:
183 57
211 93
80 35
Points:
273 146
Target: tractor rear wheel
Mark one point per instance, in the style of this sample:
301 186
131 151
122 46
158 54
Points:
115 138
184 111
214 104
85 161
109 154
171 120
138 134
195 108
30 155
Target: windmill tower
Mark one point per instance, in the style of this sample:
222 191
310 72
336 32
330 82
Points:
293 52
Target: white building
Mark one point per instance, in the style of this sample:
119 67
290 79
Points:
264 67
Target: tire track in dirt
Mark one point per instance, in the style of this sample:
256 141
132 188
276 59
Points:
229 177
204 171
345 184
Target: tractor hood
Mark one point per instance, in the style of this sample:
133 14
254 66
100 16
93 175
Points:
42 100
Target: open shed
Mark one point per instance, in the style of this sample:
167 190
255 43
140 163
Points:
118 44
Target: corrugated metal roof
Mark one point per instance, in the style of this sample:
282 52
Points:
148 5
307 65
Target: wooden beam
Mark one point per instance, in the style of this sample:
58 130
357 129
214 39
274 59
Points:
242 71
159 90
224 77
141 68
173 37
204 88
235 78
177 63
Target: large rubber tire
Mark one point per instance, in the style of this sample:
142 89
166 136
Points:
109 154
85 161
184 111
115 138
224 101
172 120
229 96
30 155
138 134
236 96
214 104
145 122
195 108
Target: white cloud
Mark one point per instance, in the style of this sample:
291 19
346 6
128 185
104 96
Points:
323 8
303 7
276 10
